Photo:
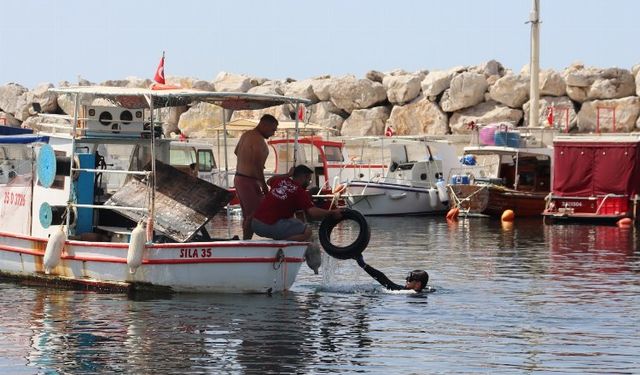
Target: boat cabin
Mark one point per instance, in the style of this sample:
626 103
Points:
595 177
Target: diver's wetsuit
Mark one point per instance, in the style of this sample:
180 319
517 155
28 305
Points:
379 276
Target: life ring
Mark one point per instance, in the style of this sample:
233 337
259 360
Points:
352 250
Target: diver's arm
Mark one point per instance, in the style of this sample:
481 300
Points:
377 275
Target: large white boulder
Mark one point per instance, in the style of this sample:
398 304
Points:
229 82
483 113
593 83
421 116
363 122
466 90
47 100
349 93
268 88
402 89
9 95
598 115
301 89
199 120
437 81
551 83
511 90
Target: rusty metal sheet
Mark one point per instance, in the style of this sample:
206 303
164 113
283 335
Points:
183 203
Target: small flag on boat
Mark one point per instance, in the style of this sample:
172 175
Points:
389 132
550 116
159 77
301 113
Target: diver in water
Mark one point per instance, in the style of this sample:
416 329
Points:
416 280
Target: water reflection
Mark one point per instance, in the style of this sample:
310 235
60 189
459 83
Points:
526 297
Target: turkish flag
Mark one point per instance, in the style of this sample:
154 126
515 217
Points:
550 116
159 77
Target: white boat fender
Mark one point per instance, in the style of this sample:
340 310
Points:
313 257
442 191
137 243
433 197
350 251
53 251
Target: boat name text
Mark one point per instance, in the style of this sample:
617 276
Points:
196 253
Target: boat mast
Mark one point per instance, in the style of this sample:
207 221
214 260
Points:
534 90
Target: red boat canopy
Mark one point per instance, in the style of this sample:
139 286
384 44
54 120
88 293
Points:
596 166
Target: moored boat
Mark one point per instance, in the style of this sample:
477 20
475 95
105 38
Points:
595 178
512 175
64 221
409 187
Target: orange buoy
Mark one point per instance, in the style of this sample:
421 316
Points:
508 215
453 213
507 226
625 222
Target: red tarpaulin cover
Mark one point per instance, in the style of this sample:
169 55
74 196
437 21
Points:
583 169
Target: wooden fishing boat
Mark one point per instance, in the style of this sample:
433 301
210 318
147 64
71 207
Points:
68 217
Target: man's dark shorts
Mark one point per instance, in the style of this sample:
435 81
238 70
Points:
282 229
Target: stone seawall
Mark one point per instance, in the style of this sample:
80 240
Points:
579 99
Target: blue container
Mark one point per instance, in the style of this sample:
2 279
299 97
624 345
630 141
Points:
509 139
458 179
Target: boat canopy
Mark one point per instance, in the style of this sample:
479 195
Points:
596 166
248 124
134 98
23 139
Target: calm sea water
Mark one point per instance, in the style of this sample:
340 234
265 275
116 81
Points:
528 298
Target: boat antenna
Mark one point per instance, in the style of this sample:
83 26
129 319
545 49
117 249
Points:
534 90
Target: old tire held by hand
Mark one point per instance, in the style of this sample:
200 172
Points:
352 250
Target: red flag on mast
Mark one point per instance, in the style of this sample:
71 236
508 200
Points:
159 77
550 116
301 113
389 131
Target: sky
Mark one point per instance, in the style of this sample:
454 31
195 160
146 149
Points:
53 41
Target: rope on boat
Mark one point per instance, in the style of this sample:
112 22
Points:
458 202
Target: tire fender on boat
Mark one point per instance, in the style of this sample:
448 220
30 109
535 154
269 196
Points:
349 251
136 247
53 251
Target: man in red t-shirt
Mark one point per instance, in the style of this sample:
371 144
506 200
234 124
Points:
274 217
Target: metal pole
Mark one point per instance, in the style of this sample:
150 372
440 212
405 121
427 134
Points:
76 110
534 90
295 136
224 143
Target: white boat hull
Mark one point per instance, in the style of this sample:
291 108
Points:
203 267
381 198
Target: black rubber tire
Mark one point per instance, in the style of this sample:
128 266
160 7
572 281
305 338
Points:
352 250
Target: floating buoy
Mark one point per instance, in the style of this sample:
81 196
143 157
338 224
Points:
507 226
625 222
508 215
136 248
453 213
313 257
53 252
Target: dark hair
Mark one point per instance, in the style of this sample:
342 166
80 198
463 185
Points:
419 275
301 170
268 119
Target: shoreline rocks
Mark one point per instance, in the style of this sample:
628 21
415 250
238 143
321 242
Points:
440 102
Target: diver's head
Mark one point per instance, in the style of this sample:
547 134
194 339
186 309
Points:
417 280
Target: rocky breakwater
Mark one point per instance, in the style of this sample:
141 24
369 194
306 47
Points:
583 99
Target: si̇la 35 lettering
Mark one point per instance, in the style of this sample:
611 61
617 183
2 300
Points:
196 253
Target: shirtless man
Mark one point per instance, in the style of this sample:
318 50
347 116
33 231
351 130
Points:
252 152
